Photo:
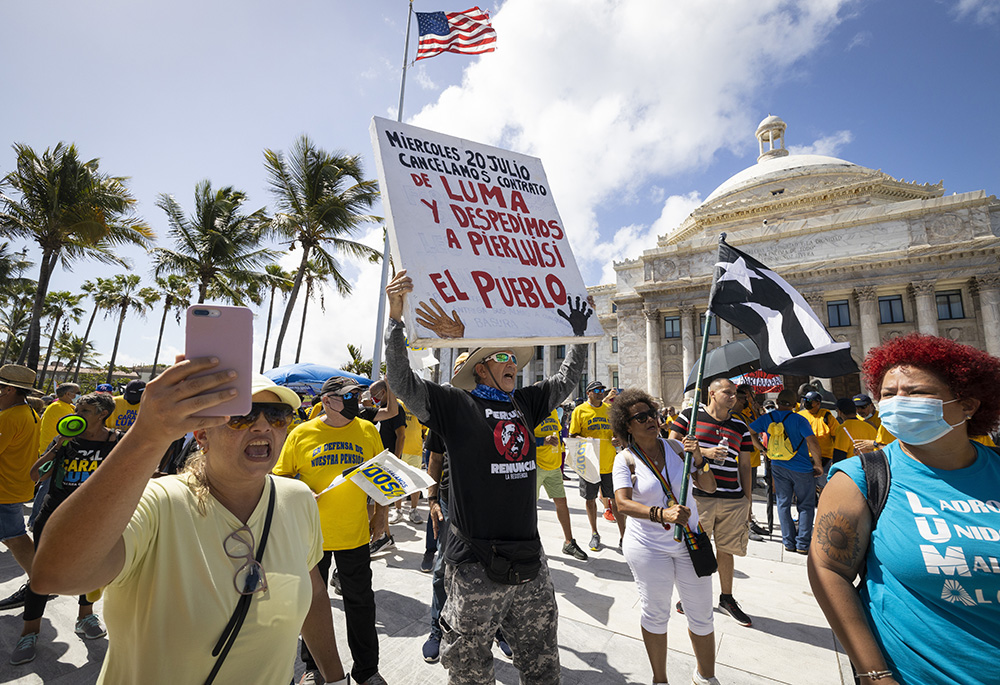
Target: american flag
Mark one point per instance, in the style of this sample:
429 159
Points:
467 32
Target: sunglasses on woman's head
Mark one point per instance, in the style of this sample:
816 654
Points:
501 358
278 414
643 416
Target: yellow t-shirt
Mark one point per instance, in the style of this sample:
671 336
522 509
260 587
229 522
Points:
825 427
413 442
175 593
853 429
983 440
748 417
592 422
18 452
47 428
548 457
123 416
316 453
874 420
317 410
884 437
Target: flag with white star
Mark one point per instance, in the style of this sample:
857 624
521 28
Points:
790 337
468 32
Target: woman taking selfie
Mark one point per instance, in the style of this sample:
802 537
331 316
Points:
657 561
927 608
216 563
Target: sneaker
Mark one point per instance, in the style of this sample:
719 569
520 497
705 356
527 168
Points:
432 649
375 680
790 550
415 517
573 549
504 647
732 607
754 536
312 677
89 627
609 515
679 607
802 551
759 530
427 563
335 579
383 543
16 601
25 650
699 679
395 515
595 542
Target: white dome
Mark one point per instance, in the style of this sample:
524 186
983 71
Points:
775 168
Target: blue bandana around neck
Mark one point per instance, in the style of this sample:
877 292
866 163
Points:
488 392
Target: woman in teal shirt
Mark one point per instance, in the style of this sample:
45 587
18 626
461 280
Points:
929 608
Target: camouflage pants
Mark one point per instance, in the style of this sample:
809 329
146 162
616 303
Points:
476 606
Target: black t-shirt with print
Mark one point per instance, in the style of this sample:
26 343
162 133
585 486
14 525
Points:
71 466
491 454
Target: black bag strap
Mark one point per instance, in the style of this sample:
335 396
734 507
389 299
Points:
232 629
879 478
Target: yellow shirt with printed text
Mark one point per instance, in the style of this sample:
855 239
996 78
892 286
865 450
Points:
316 453
589 421
123 416
548 457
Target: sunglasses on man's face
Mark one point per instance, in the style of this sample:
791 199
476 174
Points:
643 416
346 396
278 414
502 358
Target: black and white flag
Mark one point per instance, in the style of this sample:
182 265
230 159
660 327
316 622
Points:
789 336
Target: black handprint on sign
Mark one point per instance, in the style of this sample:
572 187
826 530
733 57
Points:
577 315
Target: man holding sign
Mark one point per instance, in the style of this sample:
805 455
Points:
318 451
496 574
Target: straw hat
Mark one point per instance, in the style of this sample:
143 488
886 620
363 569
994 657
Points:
18 376
464 377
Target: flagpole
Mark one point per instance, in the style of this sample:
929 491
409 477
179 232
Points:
693 422
380 317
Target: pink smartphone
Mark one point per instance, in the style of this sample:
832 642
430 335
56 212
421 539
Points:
227 333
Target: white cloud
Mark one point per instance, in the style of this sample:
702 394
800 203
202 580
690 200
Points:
981 11
424 79
827 145
611 94
861 39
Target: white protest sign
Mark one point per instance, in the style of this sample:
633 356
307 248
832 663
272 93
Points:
583 454
478 231
385 478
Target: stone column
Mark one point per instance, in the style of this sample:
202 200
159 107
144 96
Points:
592 362
989 311
688 355
726 331
653 376
816 302
923 293
547 369
867 297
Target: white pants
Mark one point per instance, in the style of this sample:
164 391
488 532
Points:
656 572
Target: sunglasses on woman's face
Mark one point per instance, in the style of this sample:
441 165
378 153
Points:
643 416
278 414
502 358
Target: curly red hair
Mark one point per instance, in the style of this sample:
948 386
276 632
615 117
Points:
968 372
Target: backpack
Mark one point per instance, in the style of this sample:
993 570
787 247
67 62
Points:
779 447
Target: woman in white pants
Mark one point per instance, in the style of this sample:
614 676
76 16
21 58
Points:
658 562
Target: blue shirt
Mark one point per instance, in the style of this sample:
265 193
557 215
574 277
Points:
796 428
932 593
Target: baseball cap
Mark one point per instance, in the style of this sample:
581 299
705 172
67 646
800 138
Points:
595 386
862 400
104 387
339 385
133 391
812 396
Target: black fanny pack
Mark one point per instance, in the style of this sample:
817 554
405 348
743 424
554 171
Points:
506 561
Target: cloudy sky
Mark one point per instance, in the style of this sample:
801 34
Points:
638 108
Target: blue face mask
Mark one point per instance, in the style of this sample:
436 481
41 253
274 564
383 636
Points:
915 420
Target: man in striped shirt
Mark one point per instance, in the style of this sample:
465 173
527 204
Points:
726 443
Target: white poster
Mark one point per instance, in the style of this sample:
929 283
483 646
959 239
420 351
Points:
584 455
385 478
478 231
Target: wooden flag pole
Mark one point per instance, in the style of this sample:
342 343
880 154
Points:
693 423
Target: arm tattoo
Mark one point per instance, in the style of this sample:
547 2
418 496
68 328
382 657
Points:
839 538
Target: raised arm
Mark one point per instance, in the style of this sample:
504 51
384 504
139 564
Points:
391 407
567 377
82 548
404 382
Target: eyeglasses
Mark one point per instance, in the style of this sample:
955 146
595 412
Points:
278 414
346 396
600 391
643 416
250 576
501 358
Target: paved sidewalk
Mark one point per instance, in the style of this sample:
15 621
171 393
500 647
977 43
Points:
599 636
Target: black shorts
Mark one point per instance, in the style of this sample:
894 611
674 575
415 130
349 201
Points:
588 491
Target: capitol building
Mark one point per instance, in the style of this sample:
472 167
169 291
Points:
874 256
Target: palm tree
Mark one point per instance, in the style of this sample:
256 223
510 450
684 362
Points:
358 363
12 265
282 281
177 296
316 276
14 324
72 211
60 306
217 248
101 290
321 200
128 296
77 351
